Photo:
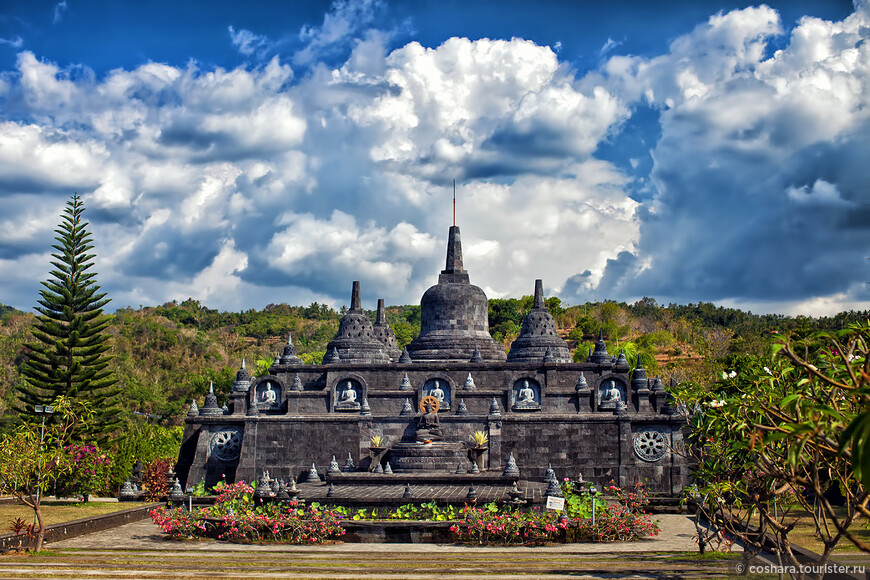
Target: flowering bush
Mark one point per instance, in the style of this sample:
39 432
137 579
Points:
289 523
90 471
615 524
620 521
178 523
235 517
488 526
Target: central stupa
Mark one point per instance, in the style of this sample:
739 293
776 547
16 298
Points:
454 316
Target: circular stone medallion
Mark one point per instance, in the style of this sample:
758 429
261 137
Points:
650 444
226 445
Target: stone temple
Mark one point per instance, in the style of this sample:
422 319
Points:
541 413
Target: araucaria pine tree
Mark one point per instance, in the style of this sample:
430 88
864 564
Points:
68 356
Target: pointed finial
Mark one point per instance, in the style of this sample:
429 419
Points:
211 387
382 313
548 356
539 295
289 339
454 251
312 473
243 362
355 302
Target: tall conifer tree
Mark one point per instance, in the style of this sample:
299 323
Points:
68 356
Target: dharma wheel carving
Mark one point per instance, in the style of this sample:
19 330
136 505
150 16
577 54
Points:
650 444
226 445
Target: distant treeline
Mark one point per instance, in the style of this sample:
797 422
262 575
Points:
166 355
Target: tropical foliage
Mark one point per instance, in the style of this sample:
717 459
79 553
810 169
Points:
34 454
768 438
67 356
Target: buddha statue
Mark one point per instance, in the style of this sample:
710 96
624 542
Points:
347 399
428 425
524 399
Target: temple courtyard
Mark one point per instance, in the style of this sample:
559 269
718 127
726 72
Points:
140 550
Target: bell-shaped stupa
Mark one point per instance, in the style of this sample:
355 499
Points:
454 315
355 341
539 333
384 333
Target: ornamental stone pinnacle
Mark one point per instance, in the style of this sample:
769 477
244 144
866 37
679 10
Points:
384 333
599 355
355 341
511 469
539 338
243 380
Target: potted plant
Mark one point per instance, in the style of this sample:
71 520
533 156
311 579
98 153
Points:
478 444
377 447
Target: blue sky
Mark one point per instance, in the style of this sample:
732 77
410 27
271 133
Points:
249 153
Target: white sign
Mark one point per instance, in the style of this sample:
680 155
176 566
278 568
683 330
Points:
555 503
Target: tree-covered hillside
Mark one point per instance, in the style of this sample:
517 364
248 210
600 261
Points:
166 355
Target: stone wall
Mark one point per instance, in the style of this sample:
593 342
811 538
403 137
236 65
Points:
562 428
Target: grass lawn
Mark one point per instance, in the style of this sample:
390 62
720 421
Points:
56 512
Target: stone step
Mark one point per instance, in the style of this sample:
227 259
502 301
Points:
368 478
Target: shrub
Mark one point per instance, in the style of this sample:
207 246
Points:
236 517
154 482
90 472
493 526
178 523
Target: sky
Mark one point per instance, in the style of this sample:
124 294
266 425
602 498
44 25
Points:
248 153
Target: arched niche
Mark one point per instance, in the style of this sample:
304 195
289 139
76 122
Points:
526 394
267 393
441 387
348 392
610 391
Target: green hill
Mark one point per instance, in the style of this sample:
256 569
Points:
166 355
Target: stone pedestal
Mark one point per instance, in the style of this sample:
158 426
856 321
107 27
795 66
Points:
435 456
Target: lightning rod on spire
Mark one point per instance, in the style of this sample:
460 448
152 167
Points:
454 202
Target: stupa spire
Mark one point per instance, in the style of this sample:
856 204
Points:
454 252
355 301
382 313
539 294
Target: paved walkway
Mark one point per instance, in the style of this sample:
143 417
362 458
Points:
676 536
139 550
